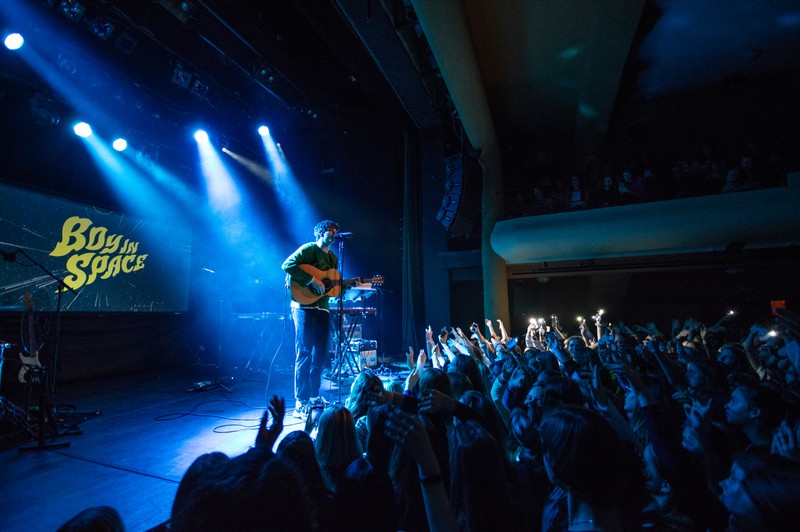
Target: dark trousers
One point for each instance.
(311, 348)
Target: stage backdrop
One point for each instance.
(114, 262)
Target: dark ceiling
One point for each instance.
(549, 70)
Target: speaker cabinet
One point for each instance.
(462, 198)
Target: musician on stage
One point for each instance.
(311, 319)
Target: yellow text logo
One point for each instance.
(95, 253)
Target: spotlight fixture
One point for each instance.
(199, 89)
(181, 77)
(151, 151)
(102, 27)
(82, 129)
(263, 131)
(200, 136)
(120, 144)
(71, 9)
(13, 41)
(265, 75)
(309, 113)
(67, 65)
(125, 43)
(181, 9)
(45, 110)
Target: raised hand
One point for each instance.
(434, 402)
(786, 441)
(268, 434)
(411, 380)
(421, 359)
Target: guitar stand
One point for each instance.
(46, 420)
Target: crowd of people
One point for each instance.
(642, 179)
(614, 428)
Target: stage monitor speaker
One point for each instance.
(462, 198)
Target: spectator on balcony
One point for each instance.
(578, 198)
(607, 194)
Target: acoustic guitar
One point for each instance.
(334, 284)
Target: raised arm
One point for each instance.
(408, 432)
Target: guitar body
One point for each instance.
(332, 280)
(305, 295)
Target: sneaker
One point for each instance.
(301, 409)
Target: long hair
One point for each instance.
(480, 493)
(365, 382)
(365, 499)
(468, 366)
(489, 417)
(337, 444)
(586, 456)
(773, 484)
(298, 448)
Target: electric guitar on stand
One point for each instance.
(332, 280)
(30, 372)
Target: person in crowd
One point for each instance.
(298, 447)
(95, 519)
(363, 385)
(578, 195)
(600, 474)
(337, 444)
(761, 493)
(607, 194)
(757, 410)
(365, 500)
(481, 492)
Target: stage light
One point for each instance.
(120, 144)
(263, 131)
(82, 129)
(45, 109)
(201, 136)
(71, 9)
(265, 75)
(102, 26)
(181, 77)
(13, 41)
(199, 89)
(125, 43)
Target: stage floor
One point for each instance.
(132, 455)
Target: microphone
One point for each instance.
(10, 257)
(342, 236)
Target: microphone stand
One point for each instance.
(340, 325)
(48, 387)
(384, 369)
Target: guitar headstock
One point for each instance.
(377, 280)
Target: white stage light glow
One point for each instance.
(14, 41)
(82, 129)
